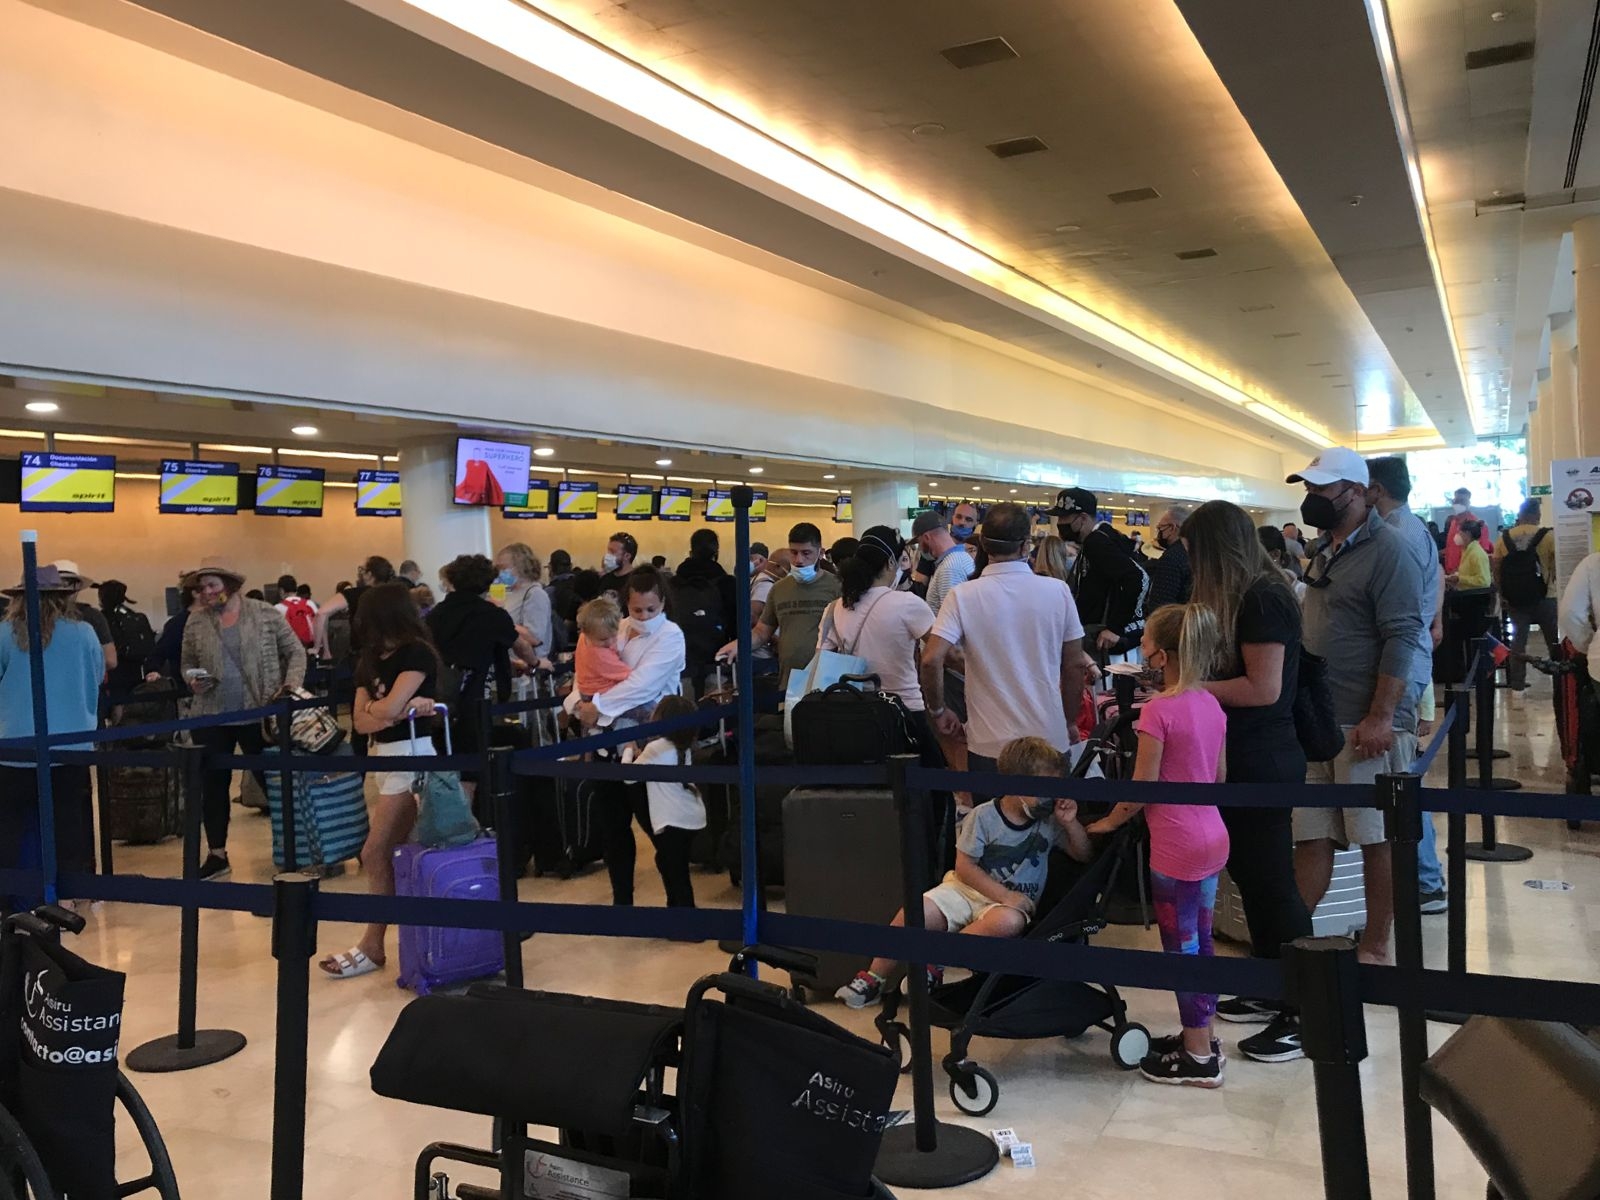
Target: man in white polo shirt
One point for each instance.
(1023, 643)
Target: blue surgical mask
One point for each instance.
(651, 625)
(805, 574)
(962, 533)
(509, 578)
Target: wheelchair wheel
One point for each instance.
(898, 1039)
(161, 1179)
(22, 1175)
(973, 1090)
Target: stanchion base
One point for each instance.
(1502, 852)
(164, 1054)
(1446, 1018)
(1497, 784)
(1499, 753)
(963, 1155)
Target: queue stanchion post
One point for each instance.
(1322, 981)
(189, 1047)
(102, 791)
(751, 895)
(1400, 797)
(498, 778)
(928, 1153)
(1459, 704)
(286, 786)
(294, 941)
(1490, 848)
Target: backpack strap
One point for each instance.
(1537, 538)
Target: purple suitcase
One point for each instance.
(431, 957)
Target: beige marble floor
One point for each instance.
(1097, 1132)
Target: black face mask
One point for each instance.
(1069, 533)
(1320, 512)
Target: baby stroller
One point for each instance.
(59, 1082)
(1019, 1007)
(767, 1097)
(1577, 718)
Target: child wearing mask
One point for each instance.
(1181, 734)
(1002, 855)
(674, 812)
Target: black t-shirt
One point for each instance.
(414, 656)
(1267, 613)
(474, 635)
(352, 601)
(616, 583)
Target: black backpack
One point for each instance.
(131, 634)
(1522, 581)
(697, 609)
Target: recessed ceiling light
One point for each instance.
(42, 406)
(928, 129)
(830, 476)
(1013, 491)
(1068, 228)
(544, 451)
(757, 470)
(663, 462)
(304, 431)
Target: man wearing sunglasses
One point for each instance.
(1363, 614)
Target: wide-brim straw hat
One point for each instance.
(223, 568)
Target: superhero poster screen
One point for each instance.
(492, 474)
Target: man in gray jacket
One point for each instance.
(1363, 614)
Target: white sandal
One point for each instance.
(350, 964)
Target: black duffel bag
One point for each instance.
(851, 725)
(1315, 724)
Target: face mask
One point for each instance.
(1320, 512)
(509, 578)
(805, 574)
(962, 533)
(652, 624)
(755, 567)
(1458, 509)
(1042, 808)
(610, 562)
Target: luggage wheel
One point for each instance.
(897, 1039)
(1129, 1045)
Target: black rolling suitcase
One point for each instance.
(841, 859)
(144, 804)
(772, 750)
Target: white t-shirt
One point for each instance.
(760, 589)
(674, 805)
(955, 566)
(1012, 625)
(883, 628)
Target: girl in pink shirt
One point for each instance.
(1181, 735)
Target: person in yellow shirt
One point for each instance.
(1474, 572)
(1528, 590)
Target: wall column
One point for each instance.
(1563, 387)
(1539, 432)
(1586, 266)
(882, 501)
(436, 529)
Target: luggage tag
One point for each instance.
(1022, 1154)
(1005, 1139)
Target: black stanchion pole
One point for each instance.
(1490, 849)
(102, 778)
(294, 941)
(1459, 703)
(502, 789)
(1321, 977)
(1400, 797)
(928, 1153)
(752, 897)
(286, 787)
(189, 1047)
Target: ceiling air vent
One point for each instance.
(1250, 308)
(1134, 195)
(1012, 147)
(978, 54)
(1499, 56)
(1190, 255)
(1281, 336)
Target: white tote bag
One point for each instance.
(824, 670)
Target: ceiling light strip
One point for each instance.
(547, 44)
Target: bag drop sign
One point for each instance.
(69, 1024)
(549, 1177)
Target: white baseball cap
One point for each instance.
(1333, 465)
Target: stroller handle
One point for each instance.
(778, 957)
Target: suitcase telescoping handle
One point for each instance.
(444, 711)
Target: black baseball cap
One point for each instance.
(1071, 501)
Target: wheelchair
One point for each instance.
(41, 1158)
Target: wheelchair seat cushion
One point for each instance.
(1525, 1097)
(572, 1062)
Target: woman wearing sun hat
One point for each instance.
(238, 654)
(73, 669)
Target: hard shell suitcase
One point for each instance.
(841, 859)
(330, 812)
(143, 804)
(433, 957)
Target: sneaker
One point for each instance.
(215, 867)
(861, 991)
(1160, 1047)
(1244, 1010)
(935, 977)
(1433, 903)
(1184, 1069)
(1278, 1042)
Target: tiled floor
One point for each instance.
(1096, 1131)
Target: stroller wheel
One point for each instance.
(898, 1039)
(974, 1090)
(1129, 1045)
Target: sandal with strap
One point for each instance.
(352, 963)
